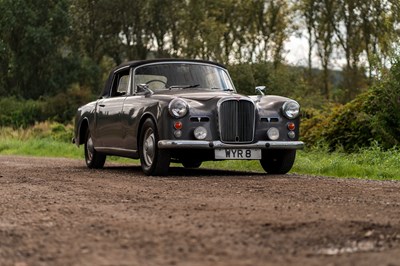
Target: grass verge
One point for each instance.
(372, 163)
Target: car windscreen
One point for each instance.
(183, 75)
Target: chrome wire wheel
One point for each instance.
(154, 161)
(93, 158)
(89, 149)
(149, 145)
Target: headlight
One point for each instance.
(178, 108)
(291, 109)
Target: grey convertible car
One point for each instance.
(185, 111)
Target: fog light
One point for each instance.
(273, 133)
(291, 134)
(291, 126)
(178, 133)
(178, 125)
(200, 133)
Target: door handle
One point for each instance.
(102, 105)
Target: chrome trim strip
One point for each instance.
(113, 150)
(203, 144)
(181, 62)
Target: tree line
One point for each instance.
(48, 45)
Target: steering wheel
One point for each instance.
(156, 80)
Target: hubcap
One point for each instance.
(149, 144)
(89, 149)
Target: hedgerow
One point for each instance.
(372, 117)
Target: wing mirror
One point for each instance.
(144, 88)
(260, 90)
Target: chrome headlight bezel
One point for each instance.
(200, 133)
(273, 133)
(291, 109)
(178, 108)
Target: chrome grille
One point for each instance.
(236, 121)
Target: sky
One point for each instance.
(296, 53)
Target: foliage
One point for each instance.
(32, 34)
(355, 29)
(17, 112)
(62, 107)
(46, 47)
(373, 116)
(44, 130)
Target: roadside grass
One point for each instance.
(51, 140)
(39, 147)
(372, 163)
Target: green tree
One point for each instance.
(35, 61)
(324, 32)
(268, 25)
(378, 32)
(165, 23)
(347, 26)
(308, 12)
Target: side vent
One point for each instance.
(269, 119)
(199, 119)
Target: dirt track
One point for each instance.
(58, 212)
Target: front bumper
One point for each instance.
(203, 144)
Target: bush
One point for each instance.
(61, 108)
(19, 113)
(43, 130)
(372, 117)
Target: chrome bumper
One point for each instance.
(203, 144)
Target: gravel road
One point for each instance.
(58, 212)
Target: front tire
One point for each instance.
(154, 161)
(93, 159)
(278, 162)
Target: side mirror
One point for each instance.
(260, 90)
(144, 88)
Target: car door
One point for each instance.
(137, 104)
(108, 112)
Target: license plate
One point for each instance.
(238, 154)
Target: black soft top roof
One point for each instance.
(143, 62)
(137, 63)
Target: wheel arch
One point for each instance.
(83, 127)
(144, 117)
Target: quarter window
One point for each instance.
(120, 84)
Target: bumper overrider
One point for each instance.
(203, 144)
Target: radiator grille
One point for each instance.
(236, 120)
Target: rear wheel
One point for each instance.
(278, 161)
(154, 161)
(93, 158)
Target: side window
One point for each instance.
(120, 83)
(123, 85)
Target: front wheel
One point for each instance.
(278, 162)
(154, 161)
(93, 158)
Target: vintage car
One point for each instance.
(185, 111)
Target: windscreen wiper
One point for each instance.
(183, 86)
(216, 88)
